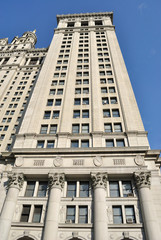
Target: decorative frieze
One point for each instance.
(99, 180)
(142, 179)
(56, 180)
(15, 180)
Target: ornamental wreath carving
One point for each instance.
(142, 179)
(15, 180)
(56, 180)
(99, 180)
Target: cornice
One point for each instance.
(110, 14)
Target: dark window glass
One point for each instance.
(84, 189)
(30, 189)
(71, 189)
(83, 214)
(117, 215)
(25, 213)
(37, 214)
(114, 189)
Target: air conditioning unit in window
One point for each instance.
(129, 220)
(68, 221)
(130, 195)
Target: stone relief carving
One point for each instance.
(62, 214)
(15, 180)
(99, 179)
(139, 160)
(97, 161)
(142, 179)
(19, 161)
(58, 161)
(109, 215)
(56, 180)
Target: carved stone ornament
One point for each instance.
(139, 160)
(142, 179)
(99, 180)
(97, 161)
(15, 180)
(58, 162)
(56, 180)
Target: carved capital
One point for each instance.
(99, 180)
(56, 180)
(142, 179)
(15, 180)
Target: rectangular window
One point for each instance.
(25, 213)
(85, 90)
(44, 129)
(111, 90)
(85, 128)
(117, 215)
(130, 214)
(113, 100)
(59, 91)
(83, 214)
(77, 101)
(75, 128)
(120, 143)
(37, 214)
(106, 113)
(57, 102)
(109, 143)
(84, 143)
(85, 101)
(115, 113)
(114, 189)
(40, 144)
(105, 101)
(108, 127)
(74, 144)
(84, 189)
(55, 114)
(71, 189)
(30, 189)
(42, 189)
(127, 188)
(85, 114)
(76, 114)
(104, 90)
(50, 144)
(78, 91)
(53, 129)
(117, 127)
(47, 114)
(71, 214)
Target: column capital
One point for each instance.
(99, 180)
(15, 180)
(142, 179)
(56, 180)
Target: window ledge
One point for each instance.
(130, 225)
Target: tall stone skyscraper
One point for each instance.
(75, 158)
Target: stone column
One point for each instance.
(99, 182)
(14, 184)
(56, 183)
(151, 227)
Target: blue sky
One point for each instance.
(138, 30)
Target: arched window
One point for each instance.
(25, 238)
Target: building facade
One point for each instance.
(75, 159)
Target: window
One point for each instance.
(50, 144)
(85, 81)
(130, 214)
(25, 213)
(85, 101)
(76, 114)
(85, 114)
(106, 113)
(117, 215)
(117, 127)
(105, 101)
(83, 214)
(74, 144)
(108, 127)
(61, 82)
(120, 143)
(104, 90)
(84, 143)
(98, 23)
(111, 90)
(78, 82)
(44, 129)
(42, 189)
(47, 115)
(110, 143)
(127, 188)
(71, 189)
(40, 144)
(78, 91)
(77, 101)
(30, 189)
(115, 113)
(85, 128)
(60, 92)
(113, 100)
(85, 90)
(54, 83)
(84, 189)
(37, 214)
(114, 189)
(70, 24)
(57, 102)
(53, 129)
(71, 214)
(50, 102)
(75, 128)
(110, 80)
(84, 23)
(55, 114)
